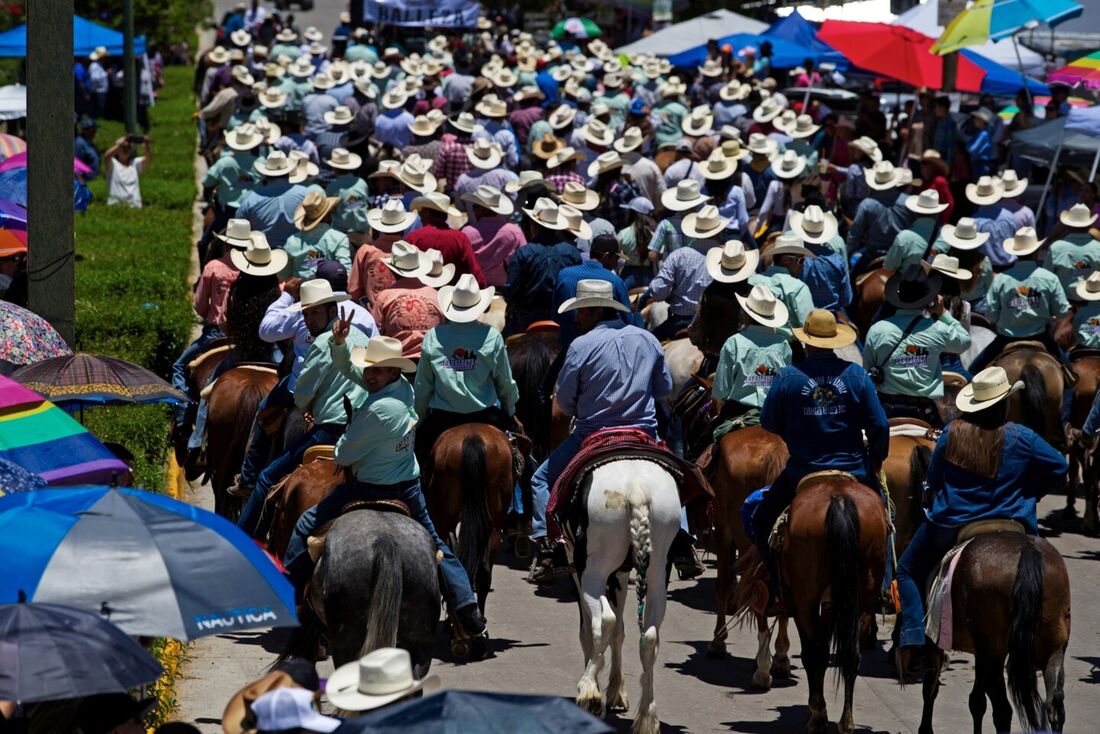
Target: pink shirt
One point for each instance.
(213, 290)
(369, 276)
(494, 240)
(407, 314)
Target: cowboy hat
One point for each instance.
(291, 709)
(505, 78)
(240, 37)
(415, 174)
(576, 195)
(545, 147)
(484, 154)
(983, 114)
(596, 132)
(882, 176)
(406, 260)
(269, 130)
(100, 52)
(987, 190)
(258, 258)
(381, 351)
(1023, 243)
(492, 199)
(546, 213)
(316, 292)
(631, 139)
(286, 35)
(574, 221)
(313, 209)
(1088, 289)
(301, 68)
(464, 122)
(964, 235)
(313, 34)
(760, 144)
(391, 217)
(439, 273)
(790, 165)
(731, 262)
(243, 137)
(949, 266)
(785, 121)
(685, 197)
(1078, 216)
(734, 91)
(814, 225)
(218, 55)
(803, 127)
(394, 99)
(711, 68)
(272, 98)
(436, 202)
(989, 387)
(464, 301)
(344, 160)
(237, 233)
(821, 330)
(564, 155)
(1011, 184)
(607, 161)
(768, 110)
(718, 166)
(933, 158)
(704, 224)
(341, 115)
(698, 122)
(592, 293)
(242, 75)
(867, 146)
(787, 243)
(275, 165)
(528, 179)
(529, 91)
(562, 117)
(763, 307)
(926, 203)
(492, 106)
(304, 168)
(913, 288)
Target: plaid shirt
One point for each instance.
(558, 180)
(451, 161)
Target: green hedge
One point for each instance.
(131, 273)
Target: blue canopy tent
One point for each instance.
(801, 32)
(785, 54)
(1002, 81)
(87, 36)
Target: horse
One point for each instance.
(831, 562)
(232, 404)
(1039, 405)
(494, 317)
(199, 371)
(870, 294)
(906, 468)
(1082, 450)
(375, 585)
(1010, 599)
(632, 512)
(302, 489)
(471, 484)
(530, 355)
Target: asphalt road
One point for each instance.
(325, 14)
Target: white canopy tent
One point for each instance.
(693, 32)
(13, 102)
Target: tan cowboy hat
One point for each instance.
(286, 35)
(787, 243)
(631, 140)
(596, 132)
(1088, 289)
(406, 260)
(926, 203)
(275, 165)
(237, 233)
(492, 106)
(546, 213)
(1011, 184)
(391, 217)
(1023, 243)
(439, 273)
(576, 195)
(763, 307)
(882, 176)
(987, 190)
(949, 266)
(964, 235)
(592, 293)
(344, 160)
(762, 145)
(381, 351)
(867, 146)
(316, 292)
(788, 166)
(436, 202)
(989, 387)
(734, 91)
(815, 225)
(718, 166)
(704, 224)
(491, 198)
(528, 179)
(272, 98)
(562, 117)
(505, 78)
(218, 55)
(822, 330)
(933, 158)
(1078, 216)
(609, 160)
(545, 147)
(394, 99)
(732, 263)
(301, 68)
(313, 209)
(768, 110)
(731, 147)
(465, 301)
(804, 126)
(564, 155)
(341, 115)
(685, 197)
(243, 137)
(484, 154)
(258, 258)
(529, 91)
(415, 173)
(698, 122)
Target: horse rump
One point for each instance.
(1025, 610)
(842, 534)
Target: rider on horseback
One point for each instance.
(783, 277)
(378, 449)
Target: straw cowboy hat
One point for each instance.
(301, 68)
(574, 221)
(394, 99)
(381, 351)
(949, 266)
(989, 387)
(272, 98)
(218, 55)
(391, 217)
(814, 225)
(785, 121)
(529, 91)
(304, 168)
(964, 235)
(564, 155)
(269, 130)
(613, 79)
(592, 293)
(562, 117)
(768, 110)
(464, 122)
(926, 203)
(484, 154)
(1088, 289)
(787, 243)
(804, 126)
(883, 176)
(415, 174)
(576, 195)
(322, 82)
(1023, 243)
(763, 307)
(631, 139)
(492, 199)
(546, 213)
(406, 260)
(275, 165)
(242, 75)
(464, 301)
(1011, 184)
(866, 146)
(711, 68)
(734, 91)
(243, 137)
(313, 34)
(685, 197)
(760, 144)
(821, 330)
(313, 209)
(698, 122)
(790, 165)
(987, 190)
(609, 160)
(718, 166)
(341, 115)
(671, 89)
(704, 224)
(528, 179)
(913, 288)
(731, 147)
(439, 273)
(545, 147)
(732, 263)
(492, 106)
(505, 78)
(1078, 216)
(596, 132)
(237, 233)
(344, 160)
(316, 292)
(258, 258)
(435, 201)
(933, 158)
(286, 35)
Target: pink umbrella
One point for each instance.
(19, 160)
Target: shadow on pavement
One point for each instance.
(698, 595)
(272, 640)
(1094, 670)
(623, 722)
(728, 672)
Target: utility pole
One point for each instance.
(129, 78)
(50, 169)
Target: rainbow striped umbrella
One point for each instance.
(1040, 103)
(11, 145)
(1085, 70)
(999, 19)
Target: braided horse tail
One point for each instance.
(638, 501)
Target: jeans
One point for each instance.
(545, 476)
(925, 550)
(668, 329)
(210, 332)
(259, 443)
(953, 363)
(197, 433)
(252, 519)
(457, 589)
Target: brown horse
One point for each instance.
(831, 563)
(471, 483)
(870, 294)
(199, 371)
(1039, 405)
(906, 467)
(233, 402)
(1082, 450)
(1010, 599)
(302, 489)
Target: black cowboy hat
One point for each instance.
(913, 288)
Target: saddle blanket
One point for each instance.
(939, 620)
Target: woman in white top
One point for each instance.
(123, 170)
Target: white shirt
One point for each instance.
(97, 75)
(122, 182)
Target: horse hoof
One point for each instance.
(781, 669)
(477, 648)
(716, 649)
(618, 702)
(593, 705)
(523, 548)
(460, 648)
(761, 681)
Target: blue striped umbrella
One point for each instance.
(152, 565)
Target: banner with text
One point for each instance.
(421, 13)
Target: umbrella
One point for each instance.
(11, 145)
(45, 440)
(19, 160)
(998, 19)
(12, 242)
(12, 216)
(91, 378)
(50, 653)
(1040, 104)
(14, 478)
(13, 188)
(484, 712)
(26, 337)
(1085, 70)
(157, 566)
(577, 28)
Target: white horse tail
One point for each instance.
(637, 498)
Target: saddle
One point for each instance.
(1083, 353)
(254, 366)
(320, 452)
(875, 267)
(218, 346)
(913, 427)
(831, 474)
(315, 544)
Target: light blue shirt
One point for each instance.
(314, 107)
(682, 278)
(999, 221)
(464, 368)
(378, 444)
(392, 127)
(270, 209)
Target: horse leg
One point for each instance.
(815, 657)
(1091, 475)
(619, 588)
(762, 676)
(930, 690)
(1054, 676)
(645, 720)
(781, 663)
(723, 552)
(998, 698)
(977, 697)
(601, 622)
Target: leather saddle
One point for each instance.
(1083, 353)
(315, 544)
(829, 474)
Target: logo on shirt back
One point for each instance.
(461, 360)
(825, 394)
(913, 356)
(1026, 298)
(1092, 326)
(762, 376)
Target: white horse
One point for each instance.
(633, 507)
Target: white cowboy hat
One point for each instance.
(763, 307)
(561, 72)
(718, 166)
(804, 126)
(592, 293)
(685, 197)
(949, 266)
(785, 120)
(527, 179)
(612, 79)
(983, 114)
(529, 91)
(596, 132)
(269, 130)
(926, 202)
(672, 89)
(704, 224)
(237, 233)
(465, 301)
(546, 213)
(562, 117)
(609, 160)
(790, 165)
(711, 68)
(989, 387)
(1088, 289)
(732, 263)
(731, 147)
(286, 35)
(258, 258)
(391, 217)
(394, 99)
(272, 98)
(380, 70)
(698, 122)
(484, 154)
(381, 351)
(313, 34)
(1079, 215)
(814, 225)
(491, 198)
(435, 201)
(868, 147)
(415, 174)
(631, 139)
(275, 165)
(218, 55)
(1023, 243)
(341, 115)
(316, 292)
(301, 68)
(987, 190)
(242, 75)
(491, 106)
(464, 122)
(734, 91)
(761, 144)
(768, 109)
(964, 235)
(576, 195)
(788, 243)
(505, 78)
(304, 168)
(882, 176)
(1012, 184)
(574, 221)
(406, 260)
(439, 273)
(322, 82)
(564, 155)
(243, 137)
(344, 160)
(290, 709)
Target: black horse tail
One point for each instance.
(842, 534)
(1034, 399)
(385, 599)
(918, 472)
(476, 523)
(305, 639)
(531, 362)
(1025, 610)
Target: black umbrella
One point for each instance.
(49, 653)
(451, 712)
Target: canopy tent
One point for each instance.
(687, 34)
(999, 80)
(785, 54)
(1040, 143)
(13, 102)
(87, 37)
(797, 30)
